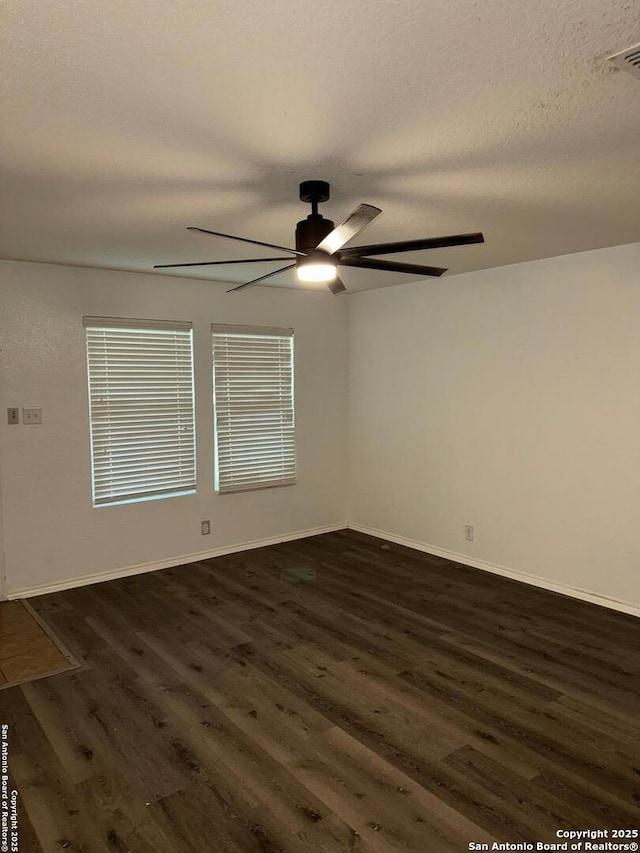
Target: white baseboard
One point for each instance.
(126, 571)
(523, 577)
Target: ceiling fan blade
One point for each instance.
(390, 266)
(244, 240)
(336, 286)
(362, 216)
(215, 263)
(261, 278)
(413, 245)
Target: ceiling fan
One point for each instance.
(319, 245)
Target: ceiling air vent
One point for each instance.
(628, 60)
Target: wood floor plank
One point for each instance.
(66, 739)
(45, 790)
(253, 747)
(119, 816)
(373, 794)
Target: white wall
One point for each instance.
(508, 399)
(51, 532)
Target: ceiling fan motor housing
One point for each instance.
(311, 231)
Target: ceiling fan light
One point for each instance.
(316, 272)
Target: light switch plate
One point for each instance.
(32, 416)
(13, 415)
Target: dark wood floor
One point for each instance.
(334, 693)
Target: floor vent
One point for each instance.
(628, 60)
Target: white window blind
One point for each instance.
(141, 408)
(254, 414)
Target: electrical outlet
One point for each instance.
(205, 528)
(32, 416)
(13, 415)
(468, 532)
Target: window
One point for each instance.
(253, 399)
(141, 409)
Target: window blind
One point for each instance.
(254, 407)
(141, 408)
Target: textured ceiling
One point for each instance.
(124, 122)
